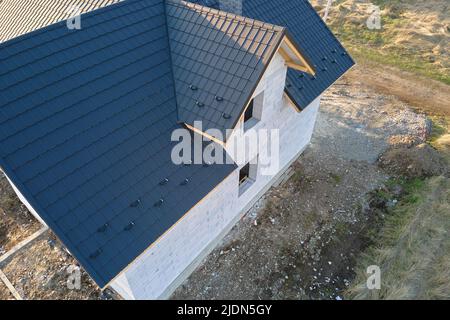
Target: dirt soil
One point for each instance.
(302, 239)
(41, 272)
(434, 96)
(421, 161)
(16, 223)
(4, 292)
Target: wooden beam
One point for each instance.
(298, 67)
(210, 137)
(284, 54)
(22, 244)
(9, 285)
(305, 63)
(290, 63)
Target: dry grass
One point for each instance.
(413, 250)
(440, 136)
(16, 223)
(414, 35)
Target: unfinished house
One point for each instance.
(87, 116)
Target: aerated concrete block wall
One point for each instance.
(157, 272)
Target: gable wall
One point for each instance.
(164, 266)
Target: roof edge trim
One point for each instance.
(167, 231)
(273, 50)
(53, 226)
(305, 65)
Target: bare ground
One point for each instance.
(302, 240)
(16, 223)
(423, 94)
(41, 272)
(4, 292)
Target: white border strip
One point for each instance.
(22, 244)
(10, 286)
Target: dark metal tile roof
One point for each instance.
(86, 119)
(313, 37)
(217, 61)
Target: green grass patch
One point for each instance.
(413, 248)
(336, 178)
(402, 61)
(377, 45)
(441, 126)
(440, 135)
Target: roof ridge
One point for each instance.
(230, 15)
(209, 44)
(172, 73)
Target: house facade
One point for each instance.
(87, 122)
(159, 270)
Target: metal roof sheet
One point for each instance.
(217, 61)
(315, 40)
(86, 123)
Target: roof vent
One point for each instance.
(324, 59)
(193, 88)
(129, 226)
(103, 228)
(219, 98)
(324, 69)
(159, 202)
(136, 203)
(334, 61)
(226, 116)
(334, 51)
(344, 54)
(199, 104)
(164, 182)
(95, 254)
(184, 182)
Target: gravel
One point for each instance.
(359, 125)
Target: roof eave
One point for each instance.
(273, 50)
